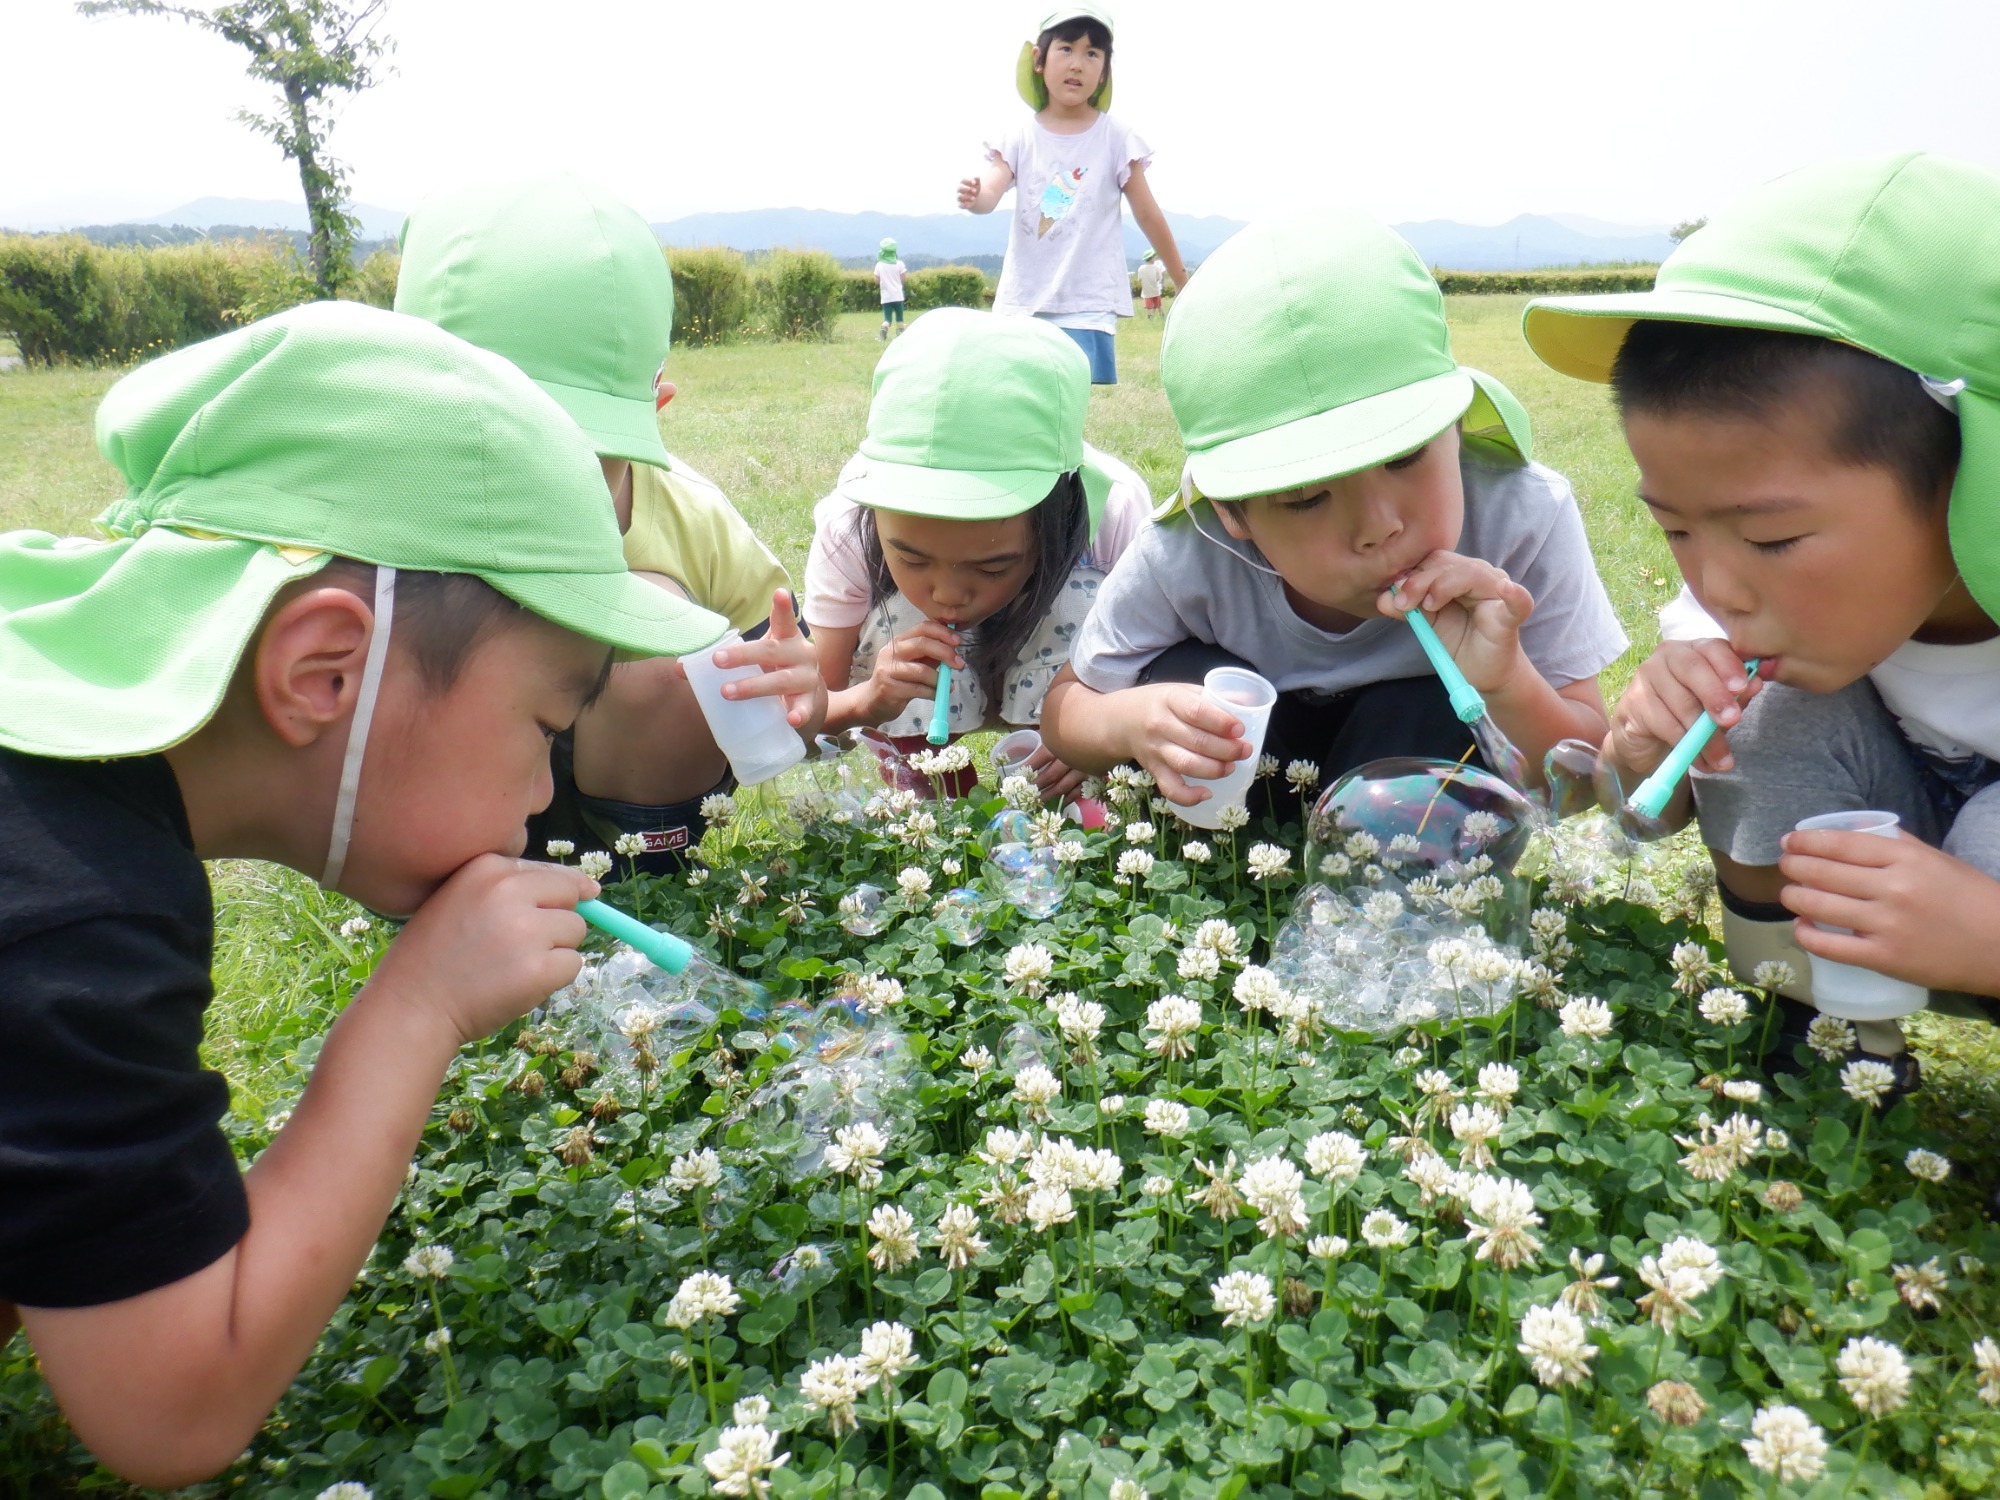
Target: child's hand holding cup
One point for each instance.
(1249, 698)
(1845, 990)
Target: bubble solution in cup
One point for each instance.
(1845, 990)
(1249, 698)
(753, 732)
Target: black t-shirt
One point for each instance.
(115, 1177)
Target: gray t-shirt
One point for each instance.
(1175, 584)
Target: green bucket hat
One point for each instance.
(1028, 83)
(1314, 346)
(1898, 255)
(563, 279)
(975, 417)
(333, 429)
(888, 250)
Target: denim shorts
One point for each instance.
(1100, 350)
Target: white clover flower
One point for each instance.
(1256, 989)
(1111, 1104)
(1686, 1253)
(595, 865)
(1336, 866)
(1027, 967)
(1231, 819)
(740, 1459)
(437, 1341)
(958, 1240)
(1335, 1157)
(1272, 1187)
(629, 845)
(1173, 1020)
(1302, 774)
(887, 1349)
(717, 808)
(1382, 910)
(1692, 967)
(1434, 1176)
(1079, 1021)
(1157, 1186)
(1221, 936)
(1134, 863)
(1326, 1247)
(1139, 833)
(976, 1061)
(559, 848)
(1986, 1360)
(1919, 1286)
(1128, 1489)
(833, 1385)
(1070, 851)
(1475, 1127)
(914, 882)
(1199, 963)
(751, 1411)
(1035, 1086)
(1774, 974)
(1501, 1219)
(697, 1169)
(1777, 1142)
(1361, 845)
(1166, 1117)
(857, 1152)
(1585, 1016)
(354, 927)
(1499, 1083)
(1830, 1038)
(1785, 1442)
(1048, 1207)
(1553, 1340)
(895, 1236)
(1382, 1230)
(1195, 852)
(1867, 1082)
(1874, 1374)
(1585, 1295)
(1743, 1091)
(1723, 1007)
(702, 1295)
(430, 1262)
(1243, 1298)
(1267, 861)
(1927, 1166)
(1267, 766)
(1096, 1170)
(347, 1489)
(1004, 1147)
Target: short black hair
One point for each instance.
(1076, 29)
(441, 618)
(1879, 414)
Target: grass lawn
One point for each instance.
(772, 425)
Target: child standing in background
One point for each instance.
(889, 274)
(1076, 165)
(1152, 281)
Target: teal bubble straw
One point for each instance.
(663, 948)
(941, 705)
(1657, 789)
(1465, 699)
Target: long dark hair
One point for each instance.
(1059, 530)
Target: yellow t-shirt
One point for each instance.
(684, 527)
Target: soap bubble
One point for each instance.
(1012, 826)
(1026, 877)
(1570, 771)
(625, 999)
(834, 783)
(841, 1066)
(862, 910)
(1499, 752)
(961, 915)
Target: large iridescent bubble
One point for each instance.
(839, 1066)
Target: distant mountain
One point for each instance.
(271, 213)
(1584, 224)
(1526, 241)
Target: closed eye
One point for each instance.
(1783, 544)
(1407, 459)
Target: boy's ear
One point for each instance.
(1230, 514)
(308, 663)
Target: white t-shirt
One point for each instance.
(890, 273)
(837, 594)
(1945, 698)
(1177, 583)
(1152, 277)
(1065, 243)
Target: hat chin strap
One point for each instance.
(357, 728)
(1194, 497)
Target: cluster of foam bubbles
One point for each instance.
(842, 778)
(840, 1065)
(1415, 911)
(624, 1003)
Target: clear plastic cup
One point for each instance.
(1250, 698)
(753, 732)
(1844, 990)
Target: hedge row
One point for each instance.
(1548, 282)
(63, 298)
(933, 286)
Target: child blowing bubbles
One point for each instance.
(219, 680)
(1343, 469)
(974, 504)
(1810, 392)
(1076, 167)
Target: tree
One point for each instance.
(311, 51)
(1685, 228)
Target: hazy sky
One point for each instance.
(1437, 109)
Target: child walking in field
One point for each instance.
(1076, 166)
(362, 571)
(1152, 282)
(569, 283)
(1342, 470)
(889, 274)
(972, 529)
(1812, 393)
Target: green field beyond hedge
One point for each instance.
(1105, 1354)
